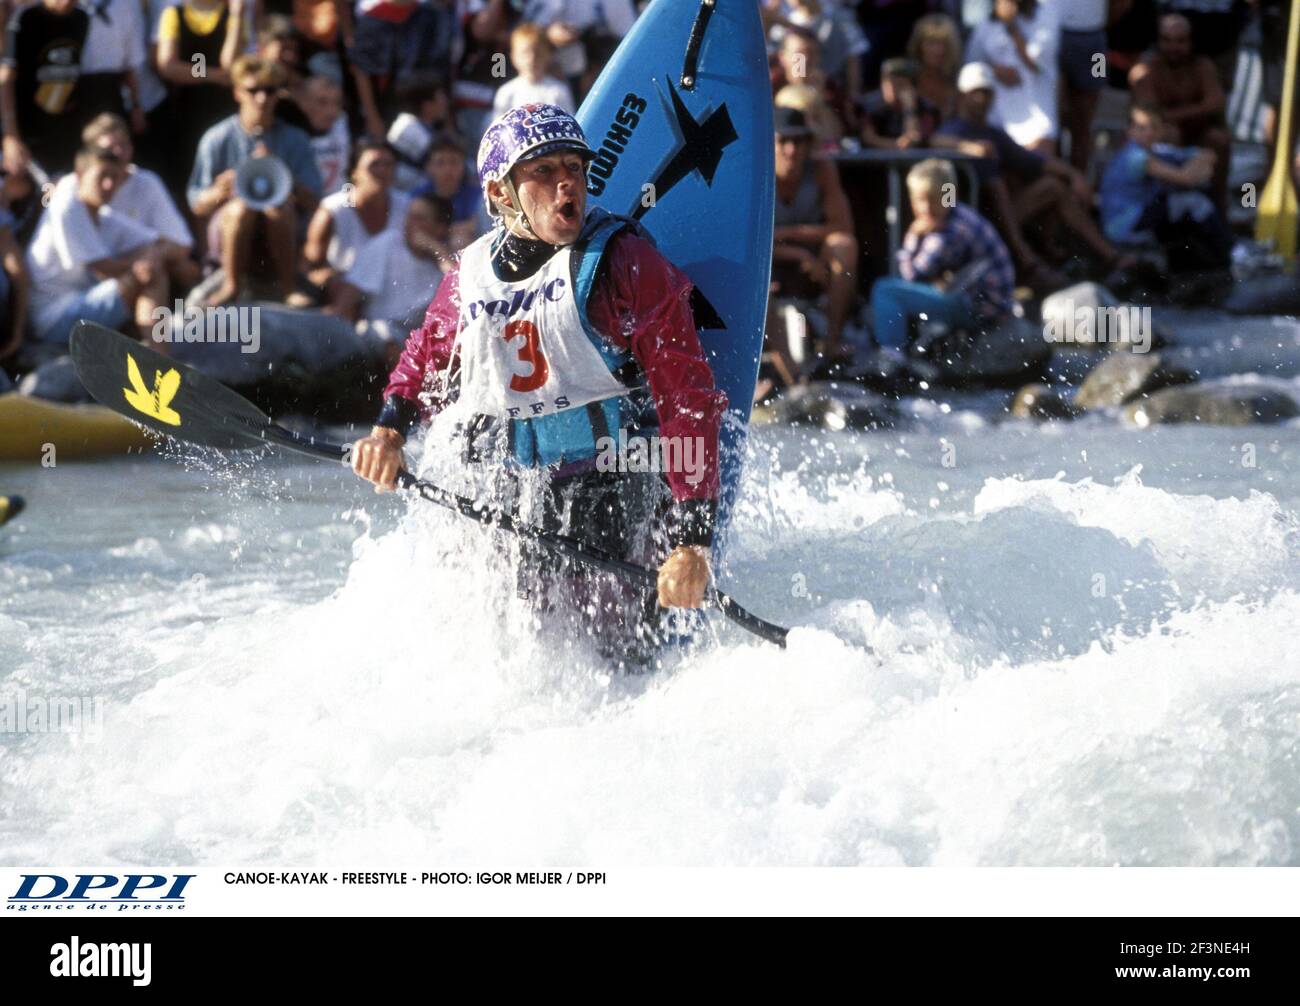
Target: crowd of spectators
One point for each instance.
(126, 123)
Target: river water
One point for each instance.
(1081, 651)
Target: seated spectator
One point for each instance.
(235, 228)
(448, 177)
(140, 196)
(86, 261)
(391, 40)
(1021, 42)
(38, 87)
(815, 250)
(887, 25)
(317, 109)
(1151, 188)
(1022, 186)
(396, 275)
(798, 61)
(935, 48)
(896, 117)
(13, 287)
(425, 111)
(953, 267)
(1186, 90)
(197, 35)
(112, 59)
(821, 119)
(348, 221)
(530, 55)
(1216, 29)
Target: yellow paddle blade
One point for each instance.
(154, 404)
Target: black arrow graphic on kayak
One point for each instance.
(699, 148)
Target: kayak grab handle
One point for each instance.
(692, 61)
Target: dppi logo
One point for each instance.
(521, 301)
(102, 891)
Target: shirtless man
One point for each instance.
(1185, 88)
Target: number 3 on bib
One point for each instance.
(530, 352)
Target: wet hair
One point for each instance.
(443, 213)
(104, 124)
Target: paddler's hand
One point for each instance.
(378, 457)
(683, 577)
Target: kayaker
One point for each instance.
(558, 332)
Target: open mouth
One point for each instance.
(569, 209)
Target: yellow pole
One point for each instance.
(1277, 216)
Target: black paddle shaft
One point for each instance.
(168, 397)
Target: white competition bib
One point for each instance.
(523, 351)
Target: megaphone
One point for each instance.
(263, 182)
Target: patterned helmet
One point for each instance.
(523, 133)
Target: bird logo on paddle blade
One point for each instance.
(155, 404)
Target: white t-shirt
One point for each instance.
(142, 198)
(67, 240)
(518, 91)
(1027, 111)
(331, 150)
(115, 41)
(350, 234)
(395, 280)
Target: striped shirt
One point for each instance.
(965, 238)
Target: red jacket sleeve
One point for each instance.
(411, 395)
(642, 302)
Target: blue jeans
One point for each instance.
(895, 302)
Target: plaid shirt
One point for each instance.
(965, 237)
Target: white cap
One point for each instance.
(976, 77)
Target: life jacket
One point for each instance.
(532, 367)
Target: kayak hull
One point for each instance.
(28, 425)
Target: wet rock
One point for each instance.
(832, 406)
(1089, 316)
(1218, 406)
(1120, 377)
(1004, 355)
(1038, 401)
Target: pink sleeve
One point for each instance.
(642, 302)
(428, 349)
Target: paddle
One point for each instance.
(1277, 215)
(171, 398)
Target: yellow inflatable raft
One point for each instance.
(76, 431)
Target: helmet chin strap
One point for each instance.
(514, 213)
